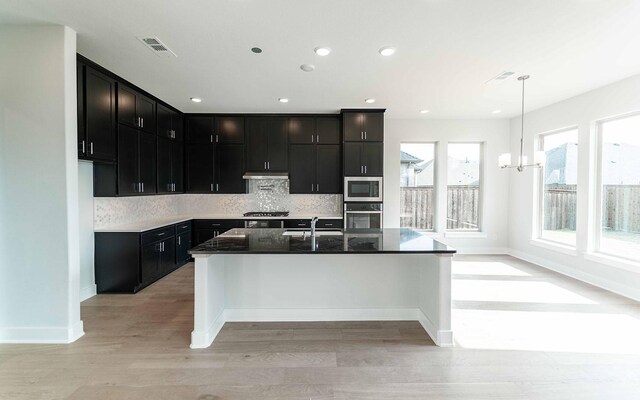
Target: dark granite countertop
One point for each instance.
(276, 241)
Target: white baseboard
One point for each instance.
(612, 286)
(481, 250)
(88, 292)
(203, 339)
(441, 338)
(46, 335)
(320, 314)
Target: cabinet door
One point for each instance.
(199, 168)
(352, 161)
(146, 108)
(229, 169)
(148, 163)
(256, 144)
(328, 130)
(165, 119)
(373, 126)
(150, 262)
(352, 126)
(100, 116)
(202, 235)
(199, 129)
(127, 106)
(177, 166)
(183, 244)
(229, 129)
(82, 145)
(302, 130)
(302, 169)
(168, 255)
(128, 177)
(372, 158)
(165, 152)
(328, 173)
(278, 145)
(177, 124)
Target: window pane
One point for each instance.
(559, 180)
(463, 186)
(417, 197)
(620, 178)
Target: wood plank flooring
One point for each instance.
(137, 347)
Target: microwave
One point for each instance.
(363, 188)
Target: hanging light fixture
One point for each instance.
(539, 157)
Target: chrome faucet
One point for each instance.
(314, 220)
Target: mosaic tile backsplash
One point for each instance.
(264, 195)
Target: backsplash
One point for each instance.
(264, 195)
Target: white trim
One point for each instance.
(88, 292)
(471, 234)
(44, 335)
(612, 286)
(613, 261)
(320, 314)
(441, 338)
(481, 250)
(554, 246)
(203, 339)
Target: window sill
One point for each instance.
(613, 261)
(462, 234)
(555, 246)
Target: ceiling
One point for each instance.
(446, 51)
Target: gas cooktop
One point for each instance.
(267, 214)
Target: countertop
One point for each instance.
(147, 225)
(273, 241)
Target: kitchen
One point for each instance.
(243, 199)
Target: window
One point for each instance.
(558, 180)
(417, 194)
(619, 181)
(463, 186)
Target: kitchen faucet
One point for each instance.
(314, 220)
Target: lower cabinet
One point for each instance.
(205, 229)
(127, 262)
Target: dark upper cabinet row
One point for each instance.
(267, 144)
(136, 110)
(363, 126)
(219, 129)
(215, 168)
(363, 159)
(170, 123)
(315, 169)
(314, 130)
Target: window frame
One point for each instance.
(436, 185)
(481, 163)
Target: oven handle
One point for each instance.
(363, 212)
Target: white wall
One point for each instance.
(39, 263)
(85, 204)
(582, 111)
(495, 136)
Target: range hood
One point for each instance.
(266, 175)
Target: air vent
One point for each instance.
(501, 77)
(154, 44)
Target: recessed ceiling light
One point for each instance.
(496, 111)
(283, 100)
(256, 50)
(307, 67)
(369, 101)
(196, 99)
(322, 51)
(424, 111)
(387, 51)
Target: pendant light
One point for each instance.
(539, 157)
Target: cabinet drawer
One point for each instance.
(218, 224)
(297, 223)
(157, 234)
(183, 227)
(329, 223)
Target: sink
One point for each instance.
(308, 233)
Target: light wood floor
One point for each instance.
(522, 333)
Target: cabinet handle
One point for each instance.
(302, 224)
(83, 152)
(211, 138)
(311, 138)
(216, 138)
(215, 224)
(361, 169)
(361, 135)
(265, 165)
(268, 164)
(161, 234)
(217, 187)
(142, 184)
(365, 169)
(178, 240)
(312, 187)
(365, 135)
(328, 224)
(142, 119)
(91, 147)
(317, 187)
(317, 138)
(212, 187)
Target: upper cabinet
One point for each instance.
(363, 126)
(96, 115)
(229, 130)
(266, 144)
(314, 130)
(136, 110)
(169, 123)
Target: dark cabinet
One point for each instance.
(328, 130)
(363, 159)
(136, 110)
(367, 126)
(200, 168)
(200, 129)
(96, 115)
(229, 168)
(315, 169)
(136, 162)
(183, 245)
(229, 129)
(170, 166)
(158, 254)
(169, 123)
(314, 130)
(205, 229)
(266, 144)
(147, 163)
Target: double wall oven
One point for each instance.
(362, 202)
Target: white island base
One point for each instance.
(322, 287)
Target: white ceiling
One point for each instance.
(446, 50)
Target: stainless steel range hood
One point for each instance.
(266, 175)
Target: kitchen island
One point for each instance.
(279, 275)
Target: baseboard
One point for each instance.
(203, 339)
(41, 335)
(441, 338)
(320, 314)
(481, 250)
(88, 292)
(612, 286)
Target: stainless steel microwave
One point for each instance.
(363, 188)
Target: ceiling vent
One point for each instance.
(160, 49)
(500, 78)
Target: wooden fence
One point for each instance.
(560, 207)
(417, 207)
(621, 210)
